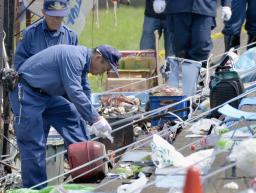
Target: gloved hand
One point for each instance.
(101, 128)
(159, 6)
(226, 13)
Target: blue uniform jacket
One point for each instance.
(58, 70)
(37, 37)
(202, 7)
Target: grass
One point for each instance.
(124, 36)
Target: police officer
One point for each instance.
(45, 33)
(241, 9)
(191, 22)
(55, 71)
(154, 19)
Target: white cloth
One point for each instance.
(226, 13)
(159, 6)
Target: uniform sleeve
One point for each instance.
(226, 3)
(71, 71)
(22, 51)
(86, 86)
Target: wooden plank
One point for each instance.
(130, 74)
(159, 78)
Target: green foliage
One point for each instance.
(125, 36)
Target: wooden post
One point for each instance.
(1, 67)
(9, 17)
(159, 78)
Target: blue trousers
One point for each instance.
(192, 35)
(241, 10)
(33, 111)
(147, 40)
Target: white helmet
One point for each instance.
(159, 6)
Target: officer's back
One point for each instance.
(202, 7)
(50, 68)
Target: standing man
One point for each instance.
(55, 71)
(241, 9)
(154, 19)
(191, 22)
(45, 33)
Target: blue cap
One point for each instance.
(111, 55)
(56, 7)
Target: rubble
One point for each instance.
(118, 105)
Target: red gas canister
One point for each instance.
(82, 153)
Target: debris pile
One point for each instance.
(118, 105)
(167, 91)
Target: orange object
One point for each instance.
(193, 181)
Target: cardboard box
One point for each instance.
(140, 84)
(138, 60)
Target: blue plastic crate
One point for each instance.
(160, 101)
(143, 96)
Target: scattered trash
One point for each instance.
(231, 186)
(224, 143)
(164, 154)
(127, 170)
(205, 142)
(245, 156)
(134, 187)
(205, 105)
(203, 126)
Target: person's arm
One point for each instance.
(71, 72)
(86, 86)
(22, 51)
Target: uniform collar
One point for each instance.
(45, 28)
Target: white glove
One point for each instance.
(101, 128)
(159, 6)
(226, 13)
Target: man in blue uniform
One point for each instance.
(241, 9)
(55, 71)
(45, 33)
(191, 22)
